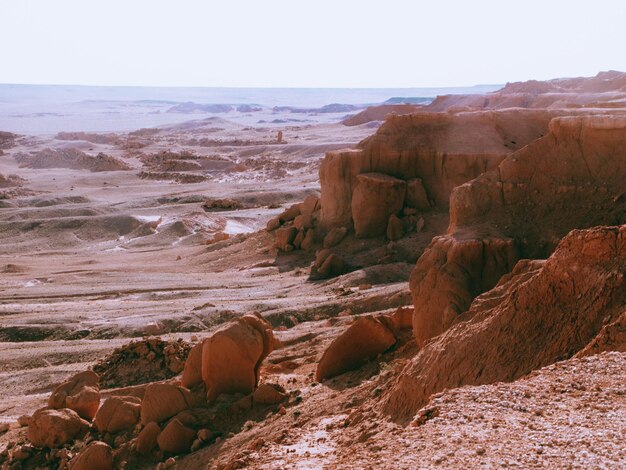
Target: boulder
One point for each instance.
(450, 273)
(81, 393)
(268, 394)
(232, 357)
(310, 205)
(285, 237)
(192, 373)
(273, 224)
(309, 240)
(96, 456)
(147, 438)
(54, 428)
(416, 196)
(118, 414)
(176, 438)
(394, 228)
(297, 241)
(375, 198)
(162, 401)
(363, 341)
(333, 265)
(334, 236)
(290, 214)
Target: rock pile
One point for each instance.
(144, 361)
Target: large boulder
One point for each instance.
(375, 198)
(162, 401)
(80, 393)
(232, 357)
(118, 414)
(364, 340)
(54, 428)
(96, 456)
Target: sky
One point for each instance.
(298, 43)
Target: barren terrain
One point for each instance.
(441, 289)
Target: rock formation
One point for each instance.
(54, 428)
(571, 178)
(541, 313)
(81, 393)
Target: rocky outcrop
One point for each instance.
(571, 178)
(541, 313)
(232, 357)
(375, 198)
(81, 393)
(379, 113)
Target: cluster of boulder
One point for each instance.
(159, 419)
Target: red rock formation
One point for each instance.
(571, 178)
(541, 313)
(162, 401)
(81, 393)
(232, 357)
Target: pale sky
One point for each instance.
(320, 43)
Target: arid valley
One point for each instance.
(401, 281)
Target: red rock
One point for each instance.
(118, 414)
(310, 205)
(176, 438)
(96, 456)
(365, 339)
(268, 394)
(394, 228)
(54, 428)
(334, 237)
(81, 393)
(416, 196)
(162, 401)
(147, 438)
(309, 240)
(285, 237)
(542, 312)
(375, 199)
(273, 224)
(297, 241)
(290, 214)
(231, 358)
(192, 373)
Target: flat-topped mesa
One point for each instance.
(571, 178)
(605, 90)
(443, 150)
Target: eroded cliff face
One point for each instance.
(571, 178)
(544, 311)
(443, 150)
